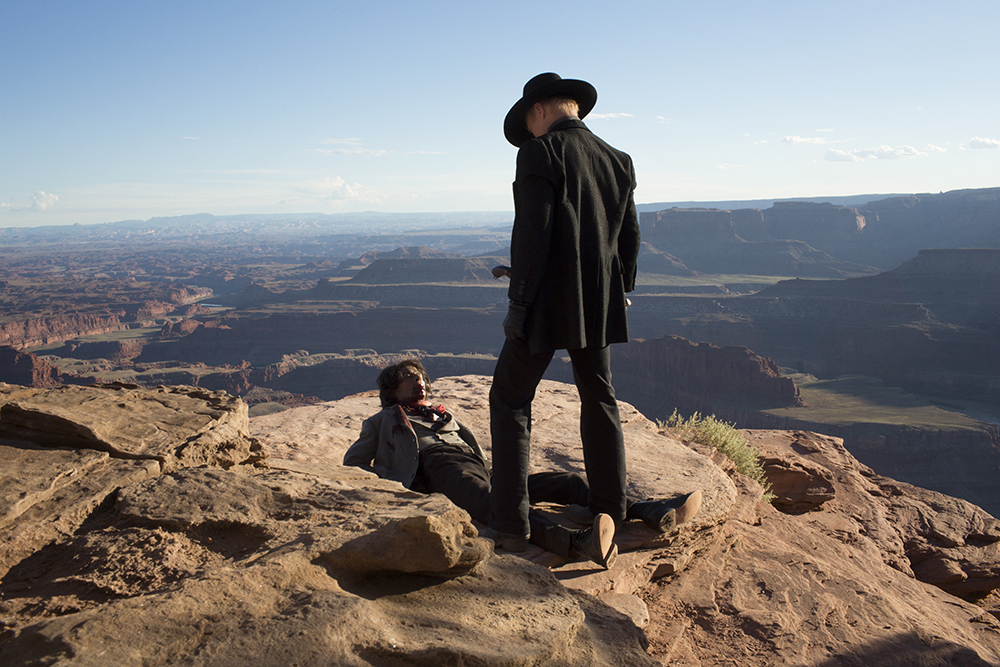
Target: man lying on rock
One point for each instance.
(427, 450)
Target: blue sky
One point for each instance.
(136, 109)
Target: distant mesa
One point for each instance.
(438, 270)
(665, 229)
(752, 242)
(940, 276)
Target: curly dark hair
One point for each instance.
(391, 377)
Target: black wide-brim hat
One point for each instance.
(538, 88)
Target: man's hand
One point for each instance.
(499, 271)
(513, 324)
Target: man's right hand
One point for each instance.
(513, 324)
(499, 271)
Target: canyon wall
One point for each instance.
(39, 331)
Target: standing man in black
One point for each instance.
(573, 254)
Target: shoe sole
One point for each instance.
(604, 529)
(690, 508)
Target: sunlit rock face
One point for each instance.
(161, 527)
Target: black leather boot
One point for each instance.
(665, 515)
(597, 542)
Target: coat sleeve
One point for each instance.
(629, 242)
(534, 208)
(362, 452)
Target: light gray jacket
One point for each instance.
(388, 446)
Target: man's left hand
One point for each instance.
(513, 324)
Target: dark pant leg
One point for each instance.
(515, 379)
(460, 475)
(600, 431)
(550, 535)
(561, 488)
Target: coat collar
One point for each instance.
(568, 124)
(399, 415)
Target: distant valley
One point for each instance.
(901, 294)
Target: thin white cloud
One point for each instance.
(373, 152)
(931, 148)
(338, 189)
(979, 142)
(889, 153)
(837, 155)
(880, 153)
(827, 129)
(662, 119)
(609, 115)
(191, 138)
(351, 146)
(726, 165)
(324, 186)
(795, 139)
(41, 201)
(425, 153)
(4, 206)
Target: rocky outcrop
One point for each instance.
(38, 331)
(297, 560)
(267, 340)
(65, 450)
(423, 271)
(663, 374)
(958, 461)
(939, 539)
(179, 328)
(969, 276)
(930, 325)
(113, 350)
(687, 226)
(899, 227)
(26, 369)
(173, 426)
(309, 563)
(776, 242)
(817, 224)
(816, 589)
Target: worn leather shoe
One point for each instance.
(689, 507)
(665, 515)
(597, 542)
(506, 541)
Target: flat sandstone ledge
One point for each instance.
(658, 466)
(115, 551)
(133, 548)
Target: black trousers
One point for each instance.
(515, 380)
(458, 473)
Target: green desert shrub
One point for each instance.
(726, 438)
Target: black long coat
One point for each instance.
(575, 242)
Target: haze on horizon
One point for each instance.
(119, 110)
